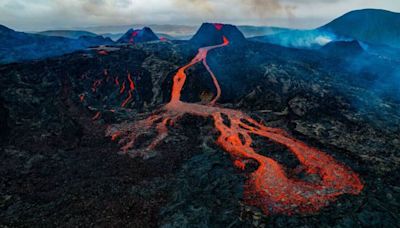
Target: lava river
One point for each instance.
(268, 187)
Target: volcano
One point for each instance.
(214, 33)
(138, 36)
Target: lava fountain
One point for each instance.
(268, 187)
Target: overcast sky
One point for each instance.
(33, 15)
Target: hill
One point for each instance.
(73, 34)
(368, 25)
(17, 46)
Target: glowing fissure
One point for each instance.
(268, 187)
(116, 81)
(121, 89)
(131, 89)
(95, 85)
(131, 84)
(127, 100)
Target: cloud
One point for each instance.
(260, 8)
(31, 15)
(263, 8)
(195, 5)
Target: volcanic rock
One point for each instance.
(212, 34)
(138, 36)
(3, 121)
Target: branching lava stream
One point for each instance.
(268, 187)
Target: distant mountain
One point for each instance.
(89, 41)
(172, 30)
(369, 25)
(180, 32)
(213, 33)
(113, 36)
(138, 36)
(252, 31)
(18, 46)
(73, 34)
(298, 38)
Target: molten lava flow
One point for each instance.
(268, 187)
(180, 77)
(127, 100)
(131, 89)
(131, 84)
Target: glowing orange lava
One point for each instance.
(268, 187)
(127, 100)
(131, 84)
(131, 89)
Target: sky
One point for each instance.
(35, 15)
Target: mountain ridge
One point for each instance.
(374, 26)
(73, 34)
(19, 46)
